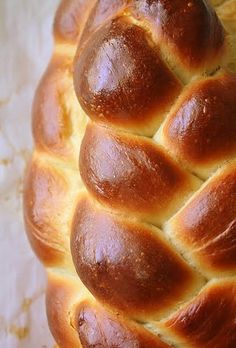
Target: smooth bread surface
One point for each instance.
(130, 195)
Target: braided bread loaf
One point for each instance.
(133, 210)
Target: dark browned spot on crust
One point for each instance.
(190, 28)
(209, 321)
(207, 225)
(44, 193)
(130, 173)
(120, 79)
(99, 328)
(125, 265)
(51, 118)
(203, 128)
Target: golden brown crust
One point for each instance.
(126, 264)
(209, 321)
(206, 227)
(52, 125)
(190, 29)
(76, 321)
(49, 199)
(117, 64)
(147, 180)
(132, 62)
(99, 328)
(60, 299)
(201, 130)
(101, 12)
(44, 194)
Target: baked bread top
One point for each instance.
(130, 196)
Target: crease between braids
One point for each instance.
(141, 194)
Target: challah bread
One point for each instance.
(130, 196)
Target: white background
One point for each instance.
(25, 48)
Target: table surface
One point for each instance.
(26, 45)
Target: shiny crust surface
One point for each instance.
(190, 29)
(127, 264)
(90, 325)
(199, 324)
(201, 130)
(101, 12)
(129, 198)
(118, 64)
(146, 182)
(206, 227)
(99, 328)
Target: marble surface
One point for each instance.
(26, 45)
